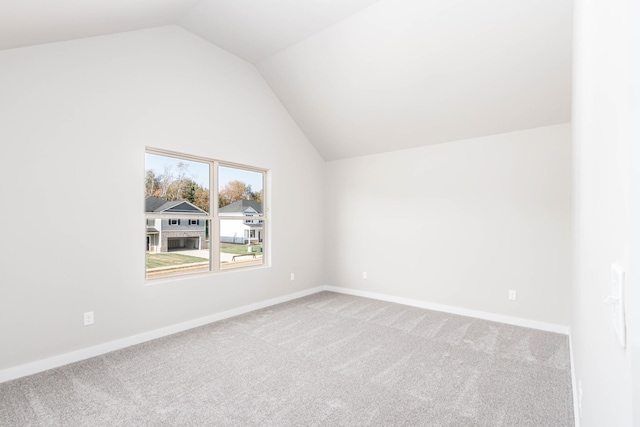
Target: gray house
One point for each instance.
(165, 234)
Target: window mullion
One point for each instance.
(214, 235)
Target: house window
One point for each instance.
(215, 202)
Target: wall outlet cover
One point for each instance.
(88, 318)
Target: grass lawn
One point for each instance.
(168, 259)
(230, 248)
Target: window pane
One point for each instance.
(179, 223)
(176, 248)
(240, 192)
(240, 243)
(174, 185)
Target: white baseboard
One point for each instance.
(97, 350)
(517, 321)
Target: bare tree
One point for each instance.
(166, 179)
(183, 168)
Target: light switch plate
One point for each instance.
(616, 301)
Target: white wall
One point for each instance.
(75, 119)
(602, 178)
(458, 224)
(634, 277)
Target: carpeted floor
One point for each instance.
(326, 359)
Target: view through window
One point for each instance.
(202, 215)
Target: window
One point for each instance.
(200, 215)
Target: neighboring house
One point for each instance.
(165, 234)
(242, 231)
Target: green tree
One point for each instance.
(189, 189)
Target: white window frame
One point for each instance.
(213, 217)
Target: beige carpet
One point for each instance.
(323, 360)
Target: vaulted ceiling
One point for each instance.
(360, 76)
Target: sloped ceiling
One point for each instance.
(407, 73)
(31, 22)
(360, 76)
(256, 29)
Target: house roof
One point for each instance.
(242, 206)
(159, 205)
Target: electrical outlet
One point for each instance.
(293, 276)
(364, 274)
(513, 295)
(88, 318)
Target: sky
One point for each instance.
(254, 179)
(199, 172)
